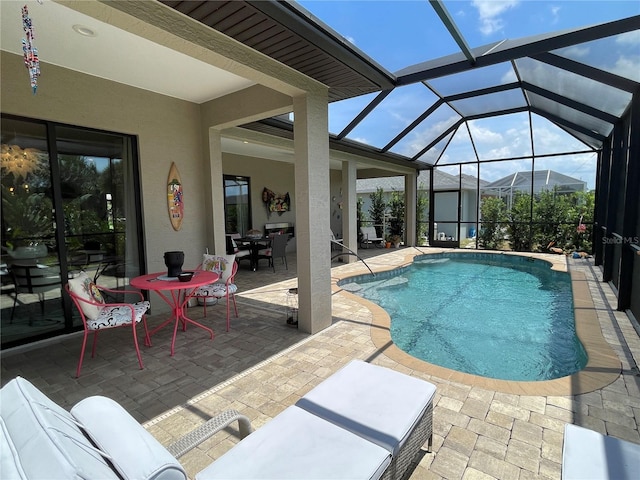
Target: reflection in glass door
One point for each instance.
(30, 302)
(61, 217)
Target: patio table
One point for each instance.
(255, 244)
(177, 298)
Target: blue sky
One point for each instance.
(397, 34)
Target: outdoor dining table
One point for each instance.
(255, 244)
(177, 297)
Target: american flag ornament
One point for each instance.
(30, 52)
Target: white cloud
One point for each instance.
(490, 11)
(484, 135)
(420, 139)
(628, 67)
(509, 77)
(555, 14)
(576, 52)
(629, 38)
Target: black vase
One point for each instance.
(174, 262)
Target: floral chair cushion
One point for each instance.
(117, 315)
(83, 287)
(223, 265)
(220, 264)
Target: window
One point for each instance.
(237, 204)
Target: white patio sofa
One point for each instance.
(364, 422)
(590, 455)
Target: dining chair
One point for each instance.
(278, 249)
(35, 279)
(240, 253)
(98, 315)
(225, 266)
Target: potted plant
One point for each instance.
(394, 240)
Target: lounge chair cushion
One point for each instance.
(295, 445)
(42, 440)
(134, 452)
(590, 455)
(371, 401)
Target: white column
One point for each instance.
(313, 231)
(349, 208)
(218, 245)
(410, 204)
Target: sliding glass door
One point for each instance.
(70, 202)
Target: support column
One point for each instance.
(410, 206)
(349, 209)
(216, 236)
(313, 231)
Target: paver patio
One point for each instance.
(262, 366)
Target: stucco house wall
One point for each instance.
(168, 130)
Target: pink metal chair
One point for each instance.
(226, 266)
(98, 315)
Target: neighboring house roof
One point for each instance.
(542, 180)
(442, 181)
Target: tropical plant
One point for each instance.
(377, 209)
(422, 208)
(359, 213)
(550, 212)
(580, 212)
(493, 213)
(396, 211)
(518, 223)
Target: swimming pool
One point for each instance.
(499, 316)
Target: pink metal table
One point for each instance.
(180, 293)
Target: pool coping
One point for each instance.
(603, 366)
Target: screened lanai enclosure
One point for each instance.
(580, 86)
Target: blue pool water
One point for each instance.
(498, 316)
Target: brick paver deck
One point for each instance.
(262, 366)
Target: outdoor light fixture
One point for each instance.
(84, 30)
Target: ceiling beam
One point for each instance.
(566, 123)
(581, 107)
(442, 12)
(587, 71)
(509, 50)
(366, 111)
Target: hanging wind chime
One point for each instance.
(30, 52)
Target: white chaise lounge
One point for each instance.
(590, 455)
(364, 422)
(370, 236)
